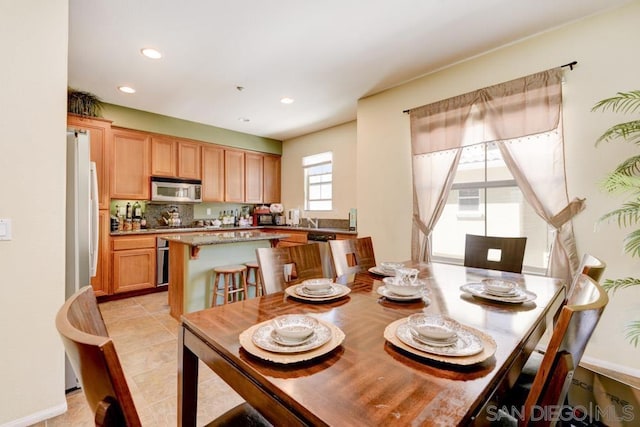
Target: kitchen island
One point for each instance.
(192, 258)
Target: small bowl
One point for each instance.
(294, 327)
(390, 267)
(318, 285)
(405, 289)
(497, 286)
(433, 327)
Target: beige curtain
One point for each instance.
(524, 118)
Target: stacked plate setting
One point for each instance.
(291, 333)
(499, 288)
(439, 335)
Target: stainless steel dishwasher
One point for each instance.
(162, 275)
(322, 238)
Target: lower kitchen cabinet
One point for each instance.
(133, 260)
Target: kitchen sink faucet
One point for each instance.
(313, 223)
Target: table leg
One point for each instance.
(187, 383)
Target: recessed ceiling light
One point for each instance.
(243, 119)
(287, 100)
(126, 89)
(151, 53)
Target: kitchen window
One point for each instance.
(318, 181)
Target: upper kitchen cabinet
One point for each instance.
(234, 176)
(212, 173)
(271, 185)
(164, 153)
(98, 130)
(130, 164)
(254, 169)
(189, 159)
(175, 158)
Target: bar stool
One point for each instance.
(234, 283)
(253, 266)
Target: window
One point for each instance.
(318, 186)
(486, 200)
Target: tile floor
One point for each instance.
(145, 336)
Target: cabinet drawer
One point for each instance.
(133, 242)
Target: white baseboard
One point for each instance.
(611, 366)
(39, 416)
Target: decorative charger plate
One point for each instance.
(478, 290)
(487, 351)
(263, 337)
(336, 336)
(380, 272)
(382, 290)
(338, 291)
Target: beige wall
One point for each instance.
(603, 45)
(33, 41)
(341, 140)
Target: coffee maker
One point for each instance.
(293, 217)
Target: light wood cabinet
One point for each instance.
(98, 130)
(130, 164)
(133, 263)
(234, 176)
(189, 160)
(175, 158)
(212, 173)
(100, 282)
(163, 157)
(254, 178)
(271, 180)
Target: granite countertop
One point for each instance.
(211, 230)
(203, 239)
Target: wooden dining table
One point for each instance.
(367, 380)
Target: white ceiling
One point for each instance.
(324, 54)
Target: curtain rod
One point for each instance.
(570, 65)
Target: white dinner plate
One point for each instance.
(478, 290)
(466, 344)
(338, 291)
(263, 338)
(382, 290)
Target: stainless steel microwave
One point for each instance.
(176, 190)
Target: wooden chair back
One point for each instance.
(592, 267)
(511, 252)
(306, 264)
(575, 325)
(351, 256)
(94, 360)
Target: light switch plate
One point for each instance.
(5, 229)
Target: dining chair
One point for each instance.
(591, 266)
(494, 253)
(550, 383)
(304, 261)
(351, 256)
(95, 361)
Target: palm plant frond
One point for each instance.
(623, 102)
(629, 132)
(633, 332)
(619, 182)
(612, 285)
(629, 167)
(628, 214)
(632, 243)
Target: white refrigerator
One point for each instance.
(82, 221)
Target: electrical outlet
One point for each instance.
(208, 211)
(5, 229)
